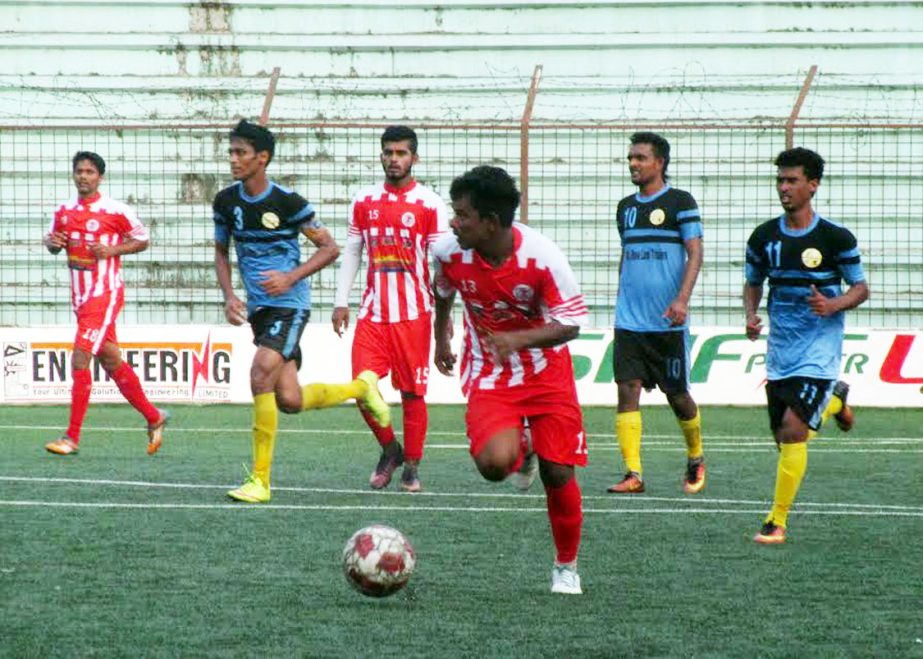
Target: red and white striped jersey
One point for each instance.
(396, 226)
(97, 219)
(533, 287)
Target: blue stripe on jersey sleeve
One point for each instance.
(692, 212)
(691, 230)
(755, 276)
(305, 212)
(222, 233)
(848, 254)
(852, 273)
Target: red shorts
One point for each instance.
(96, 322)
(553, 412)
(401, 349)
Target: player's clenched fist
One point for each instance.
(235, 311)
(754, 326)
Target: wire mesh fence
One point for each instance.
(577, 174)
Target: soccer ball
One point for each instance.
(378, 560)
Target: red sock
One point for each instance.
(416, 420)
(130, 386)
(384, 435)
(80, 401)
(565, 511)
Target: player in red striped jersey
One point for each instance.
(522, 305)
(395, 221)
(96, 231)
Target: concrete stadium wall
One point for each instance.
(163, 59)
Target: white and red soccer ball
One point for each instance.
(378, 560)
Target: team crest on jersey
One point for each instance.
(408, 219)
(811, 257)
(93, 225)
(657, 217)
(523, 293)
(270, 220)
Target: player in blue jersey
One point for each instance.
(265, 220)
(806, 258)
(661, 232)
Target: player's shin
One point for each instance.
(319, 395)
(80, 401)
(384, 435)
(130, 386)
(692, 432)
(265, 423)
(793, 462)
(416, 419)
(565, 512)
(628, 432)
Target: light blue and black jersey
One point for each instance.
(801, 343)
(654, 231)
(265, 231)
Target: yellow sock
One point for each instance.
(833, 407)
(692, 431)
(265, 422)
(793, 461)
(318, 395)
(628, 432)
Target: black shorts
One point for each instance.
(806, 397)
(655, 358)
(280, 329)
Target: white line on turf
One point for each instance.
(637, 500)
(420, 509)
(756, 440)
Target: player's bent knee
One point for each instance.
(492, 471)
(288, 404)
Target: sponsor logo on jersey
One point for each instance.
(657, 217)
(270, 220)
(811, 257)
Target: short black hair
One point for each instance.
(94, 158)
(810, 161)
(658, 143)
(490, 190)
(399, 134)
(259, 137)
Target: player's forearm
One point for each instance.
(694, 255)
(223, 272)
(752, 296)
(349, 267)
(442, 316)
(130, 246)
(546, 336)
(856, 295)
(320, 259)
